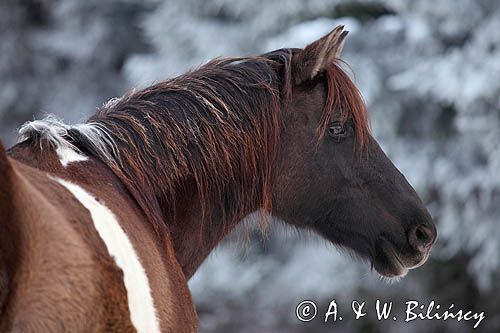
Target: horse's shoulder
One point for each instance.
(93, 202)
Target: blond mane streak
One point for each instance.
(64, 139)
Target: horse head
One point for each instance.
(333, 177)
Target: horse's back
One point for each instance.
(102, 263)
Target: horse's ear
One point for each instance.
(316, 57)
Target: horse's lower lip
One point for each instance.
(386, 261)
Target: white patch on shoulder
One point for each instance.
(68, 155)
(140, 301)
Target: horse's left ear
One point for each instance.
(316, 57)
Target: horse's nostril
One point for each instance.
(422, 237)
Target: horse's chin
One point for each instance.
(387, 262)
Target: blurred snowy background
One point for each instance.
(429, 71)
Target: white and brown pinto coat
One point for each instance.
(77, 253)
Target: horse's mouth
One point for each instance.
(389, 263)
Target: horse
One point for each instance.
(103, 223)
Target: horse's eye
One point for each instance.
(339, 131)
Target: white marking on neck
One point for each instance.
(140, 301)
(68, 155)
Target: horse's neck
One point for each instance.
(195, 235)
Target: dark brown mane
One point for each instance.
(216, 127)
